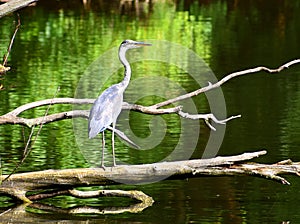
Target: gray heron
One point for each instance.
(108, 105)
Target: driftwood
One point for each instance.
(59, 182)
(14, 5)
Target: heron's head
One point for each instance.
(129, 44)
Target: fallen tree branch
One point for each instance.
(18, 185)
(14, 5)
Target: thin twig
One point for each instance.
(25, 154)
(28, 147)
(12, 41)
(46, 112)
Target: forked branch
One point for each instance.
(14, 118)
(211, 86)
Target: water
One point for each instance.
(56, 44)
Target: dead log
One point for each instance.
(64, 181)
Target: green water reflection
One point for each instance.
(57, 41)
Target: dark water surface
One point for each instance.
(59, 40)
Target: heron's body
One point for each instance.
(105, 110)
(108, 105)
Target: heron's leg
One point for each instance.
(103, 146)
(113, 143)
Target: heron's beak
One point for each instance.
(142, 44)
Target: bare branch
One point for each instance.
(46, 102)
(150, 109)
(12, 117)
(14, 5)
(211, 86)
(207, 118)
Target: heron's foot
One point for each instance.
(102, 166)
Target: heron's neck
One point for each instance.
(127, 73)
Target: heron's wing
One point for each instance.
(105, 110)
